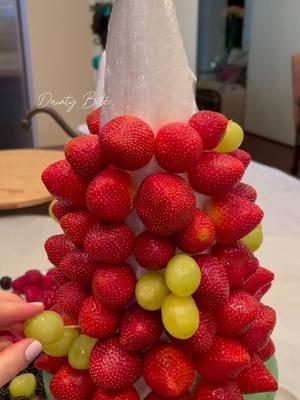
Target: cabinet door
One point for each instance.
(13, 86)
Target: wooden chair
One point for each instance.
(296, 93)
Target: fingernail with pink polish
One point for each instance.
(33, 350)
(37, 304)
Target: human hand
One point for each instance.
(15, 357)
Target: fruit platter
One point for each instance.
(158, 292)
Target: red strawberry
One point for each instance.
(57, 247)
(62, 182)
(78, 267)
(153, 252)
(242, 155)
(50, 272)
(246, 191)
(168, 371)
(110, 195)
(165, 203)
(211, 127)
(239, 262)
(262, 291)
(114, 286)
(128, 141)
(76, 224)
(126, 394)
(111, 244)
(48, 283)
(202, 340)
(69, 297)
(48, 280)
(259, 283)
(140, 328)
(225, 360)
(215, 174)
(31, 293)
(237, 314)
(177, 147)
(48, 297)
(268, 351)
(49, 364)
(33, 277)
(112, 367)
(153, 396)
(59, 278)
(214, 287)
(93, 121)
(234, 217)
(18, 284)
(198, 236)
(256, 378)
(86, 155)
(96, 320)
(257, 336)
(209, 391)
(59, 209)
(71, 384)
(68, 319)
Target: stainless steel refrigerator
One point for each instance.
(14, 75)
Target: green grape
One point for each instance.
(62, 346)
(151, 290)
(22, 386)
(254, 239)
(50, 211)
(232, 139)
(183, 275)
(80, 351)
(180, 316)
(47, 327)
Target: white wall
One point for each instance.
(187, 12)
(275, 37)
(61, 50)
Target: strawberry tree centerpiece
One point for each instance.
(159, 291)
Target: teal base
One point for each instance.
(47, 378)
(271, 365)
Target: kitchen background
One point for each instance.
(240, 49)
(241, 52)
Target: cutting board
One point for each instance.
(20, 177)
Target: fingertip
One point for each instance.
(37, 307)
(33, 309)
(11, 313)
